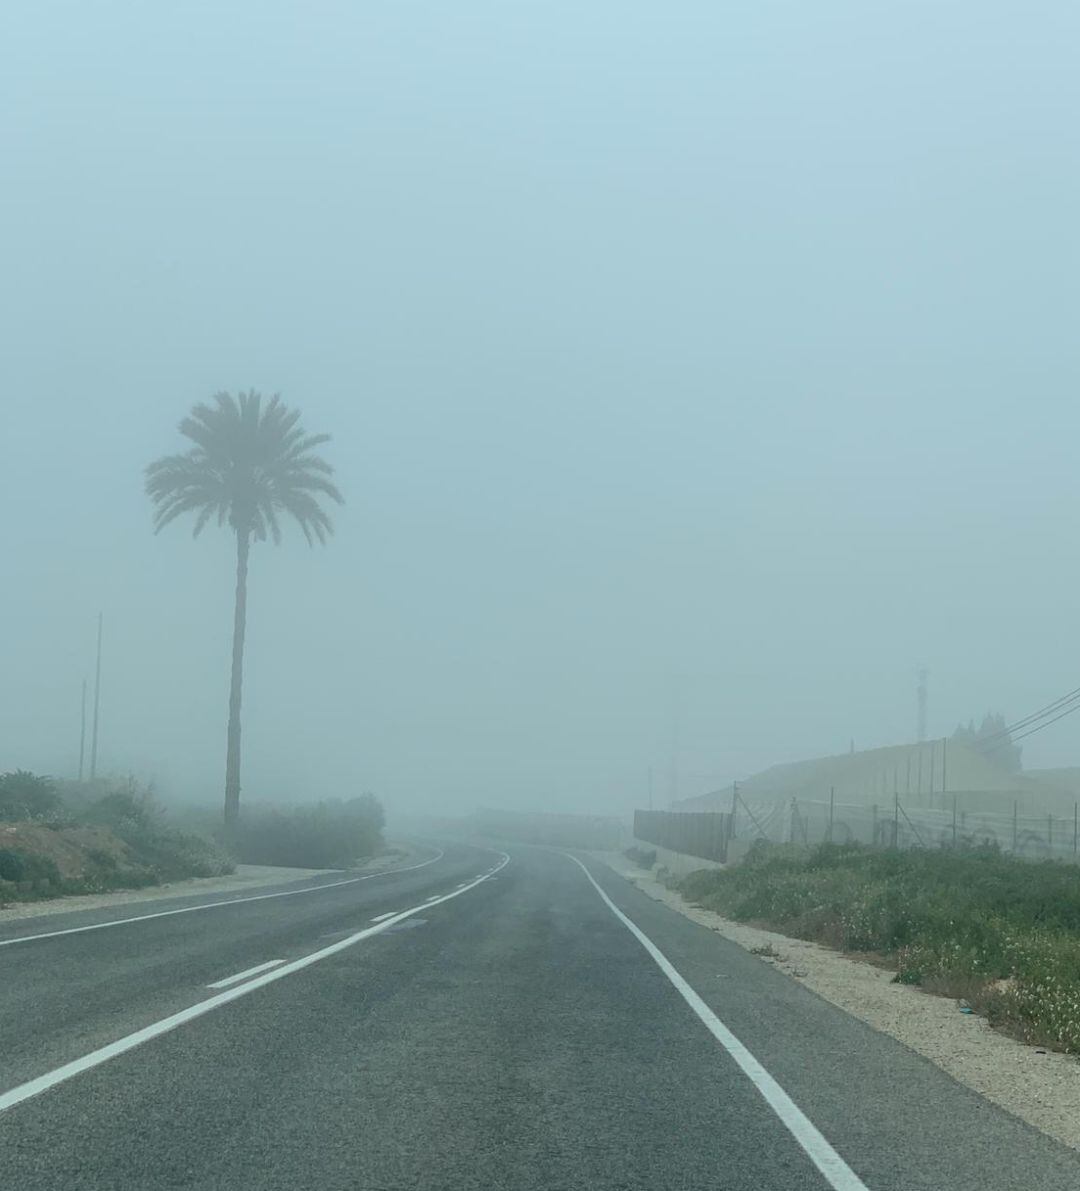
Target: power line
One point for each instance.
(1002, 734)
(1039, 728)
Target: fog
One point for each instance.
(696, 372)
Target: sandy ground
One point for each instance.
(247, 878)
(1042, 1089)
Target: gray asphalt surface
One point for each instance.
(516, 1037)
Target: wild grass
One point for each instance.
(1002, 933)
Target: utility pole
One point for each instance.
(97, 702)
(82, 732)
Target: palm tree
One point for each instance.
(251, 463)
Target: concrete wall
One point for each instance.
(676, 862)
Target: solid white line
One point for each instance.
(836, 1171)
(380, 917)
(270, 963)
(96, 1057)
(235, 901)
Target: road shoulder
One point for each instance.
(1041, 1089)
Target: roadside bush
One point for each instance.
(1001, 932)
(643, 857)
(163, 853)
(22, 867)
(25, 795)
(332, 834)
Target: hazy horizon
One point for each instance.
(695, 373)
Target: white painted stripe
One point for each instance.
(836, 1171)
(270, 963)
(121, 1046)
(235, 901)
(436, 897)
(388, 914)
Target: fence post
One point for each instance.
(1014, 825)
(832, 811)
(953, 819)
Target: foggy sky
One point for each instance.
(696, 371)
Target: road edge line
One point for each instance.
(840, 1176)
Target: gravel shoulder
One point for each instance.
(247, 878)
(1041, 1089)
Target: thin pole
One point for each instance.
(896, 819)
(1076, 824)
(97, 702)
(907, 788)
(944, 756)
(1050, 832)
(953, 820)
(921, 750)
(1015, 804)
(82, 732)
(832, 809)
(933, 755)
(734, 803)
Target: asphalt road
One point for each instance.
(511, 1033)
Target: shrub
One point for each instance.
(644, 857)
(331, 834)
(1004, 933)
(25, 795)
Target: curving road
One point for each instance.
(484, 1021)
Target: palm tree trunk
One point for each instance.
(232, 748)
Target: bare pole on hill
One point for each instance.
(82, 732)
(97, 702)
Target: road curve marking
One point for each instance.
(270, 963)
(95, 1058)
(836, 1171)
(234, 901)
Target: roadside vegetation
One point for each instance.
(1001, 934)
(331, 834)
(59, 838)
(642, 857)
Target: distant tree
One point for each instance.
(251, 463)
(992, 740)
(25, 795)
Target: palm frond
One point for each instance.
(250, 462)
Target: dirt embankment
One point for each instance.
(73, 850)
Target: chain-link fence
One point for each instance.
(892, 824)
(702, 834)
